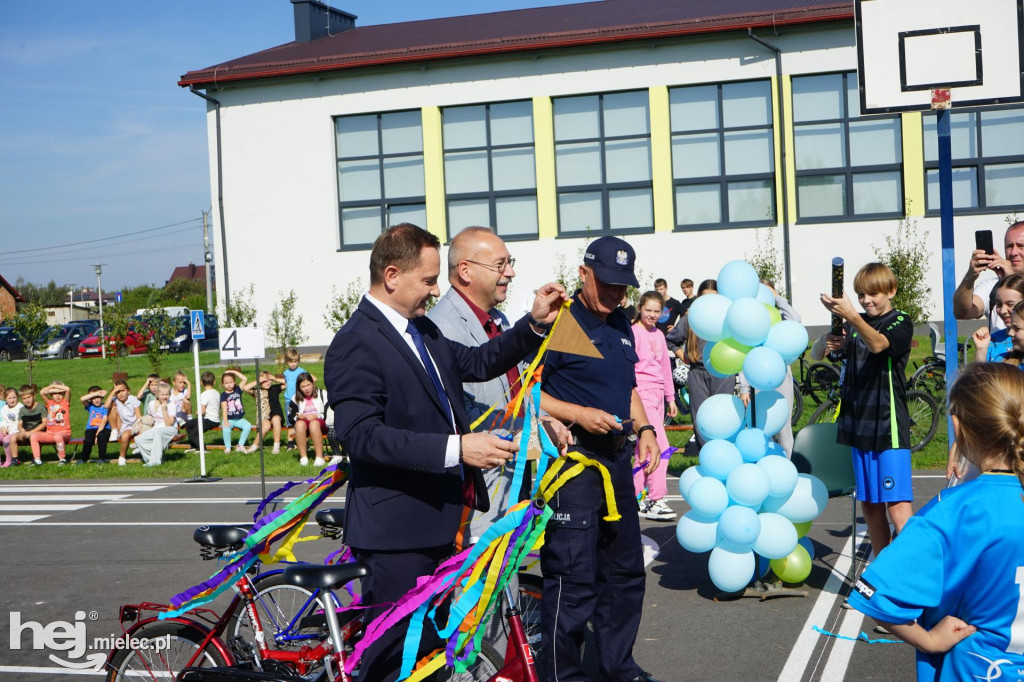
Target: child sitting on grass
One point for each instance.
(31, 417)
(209, 410)
(232, 410)
(154, 441)
(9, 426)
(124, 416)
(58, 423)
(267, 392)
(97, 425)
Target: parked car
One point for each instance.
(182, 341)
(63, 341)
(12, 347)
(89, 325)
(8, 337)
(134, 343)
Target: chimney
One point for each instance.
(191, 270)
(315, 20)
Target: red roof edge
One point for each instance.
(209, 77)
(14, 292)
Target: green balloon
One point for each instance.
(794, 568)
(802, 528)
(773, 313)
(727, 356)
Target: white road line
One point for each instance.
(15, 519)
(805, 644)
(19, 520)
(59, 498)
(195, 500)
(842, 650)
(42, 507)
(88, 488)
(52, 671)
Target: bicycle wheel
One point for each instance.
(531, 590)
(488, 663)
(924, 418)
(281, 608)
(930, 378)
(148, 662)
(822, 379)
(825, 414)
(798, 404)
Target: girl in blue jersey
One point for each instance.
(952, 583)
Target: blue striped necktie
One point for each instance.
(421, 348)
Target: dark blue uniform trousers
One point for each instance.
(593, 571)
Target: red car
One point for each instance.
(134, 343)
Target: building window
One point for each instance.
(380, 174)
(603, 163)
(489, 169)
(988, 159)
(723, 154)
(846, 167)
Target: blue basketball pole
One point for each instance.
(948, 266)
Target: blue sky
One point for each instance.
(103, 158)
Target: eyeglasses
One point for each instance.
(498, 267)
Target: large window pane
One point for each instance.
(750, 201)
(877, 193)
(465, 127)
(630, 208)
(466, 212)
(696, 156)
(748, 152)
(852, 95)
(963, 136)
(965, 188)
(821, 196)
(576, 118)
(1004, 184)
(357, 136)
(403, 176)
(401, 132)
(359, 180)
(466, 172)
(820, 146)
(628, 160)
(1002, 134)
(875, 142)
(625, 113)
(818, 98)
(746, 104)
(578, 164)
(579, 212)
(512, 123)
(513, 168)
(694, 108)
(408, 213)
(360, 225)
(516, 215)
(698, 205)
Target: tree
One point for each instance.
(117, 322)
(30, 325)
(907, 254)
(342, 306)
(766, 259)
(285, 325)
(160, 328)
(47, 295)
(240, 310)
(187, 292)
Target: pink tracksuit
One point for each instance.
(655, 386)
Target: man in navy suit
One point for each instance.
(395, 383)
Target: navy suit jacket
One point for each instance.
(395, 431)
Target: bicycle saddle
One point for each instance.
(324, 577)
(217, 539)
(330, 521)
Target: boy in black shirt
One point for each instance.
(873, 416)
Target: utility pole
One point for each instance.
(208, 258)
(99, 295)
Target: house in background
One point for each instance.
(9, 300)
(190, 272)
(703, 131)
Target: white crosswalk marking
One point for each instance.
(27, 503)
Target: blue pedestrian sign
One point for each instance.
(198, 324)
(117, 297)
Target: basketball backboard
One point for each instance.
(906, 48)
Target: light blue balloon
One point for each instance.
(771, 412)
(765, 295)
(720, 416)
(805, 503)
(775, 449)
(788, 338)
(706, 316)
(706, 359)
(739, 525)
(697, 533)
(708, 497)
(747, 485)
(730, 571)
(782, 475)
(807, 544)
(738, 279)
(752, 444)
(777, 537)
(688, 477)
(764, 368)
(719, 457)
(748, 321)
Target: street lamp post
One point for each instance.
(99, 292)
(71, 303)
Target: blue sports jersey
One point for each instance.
(962, 555)
(1000, 347)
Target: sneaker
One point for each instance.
(277, 449)
(37, 462)
(77, 462)
(304, 461)
(113, 435)
(644, 677)
(659, 511)
(882, 630)
(61, 462)
(319, 461)
(121, 461)
(102, 461)
(846, 606)
(227, 451)
(291, 445)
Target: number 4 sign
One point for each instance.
(242, 343)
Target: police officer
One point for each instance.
(594, 569)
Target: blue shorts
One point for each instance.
(883, 476)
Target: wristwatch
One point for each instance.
(645, 427)
(543, 326)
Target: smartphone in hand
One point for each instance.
(983, 241)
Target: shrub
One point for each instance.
(240, 310)
(343, 305)
(906, 253)
(30, 325)
(285, 325)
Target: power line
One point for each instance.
(17, 261)
(112, 255)
(103, 239)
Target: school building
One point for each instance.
(700, 130)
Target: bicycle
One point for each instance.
(931, 375)
(817, 381)
(921, 407)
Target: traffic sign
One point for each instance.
(198, 324)
(117, 297)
